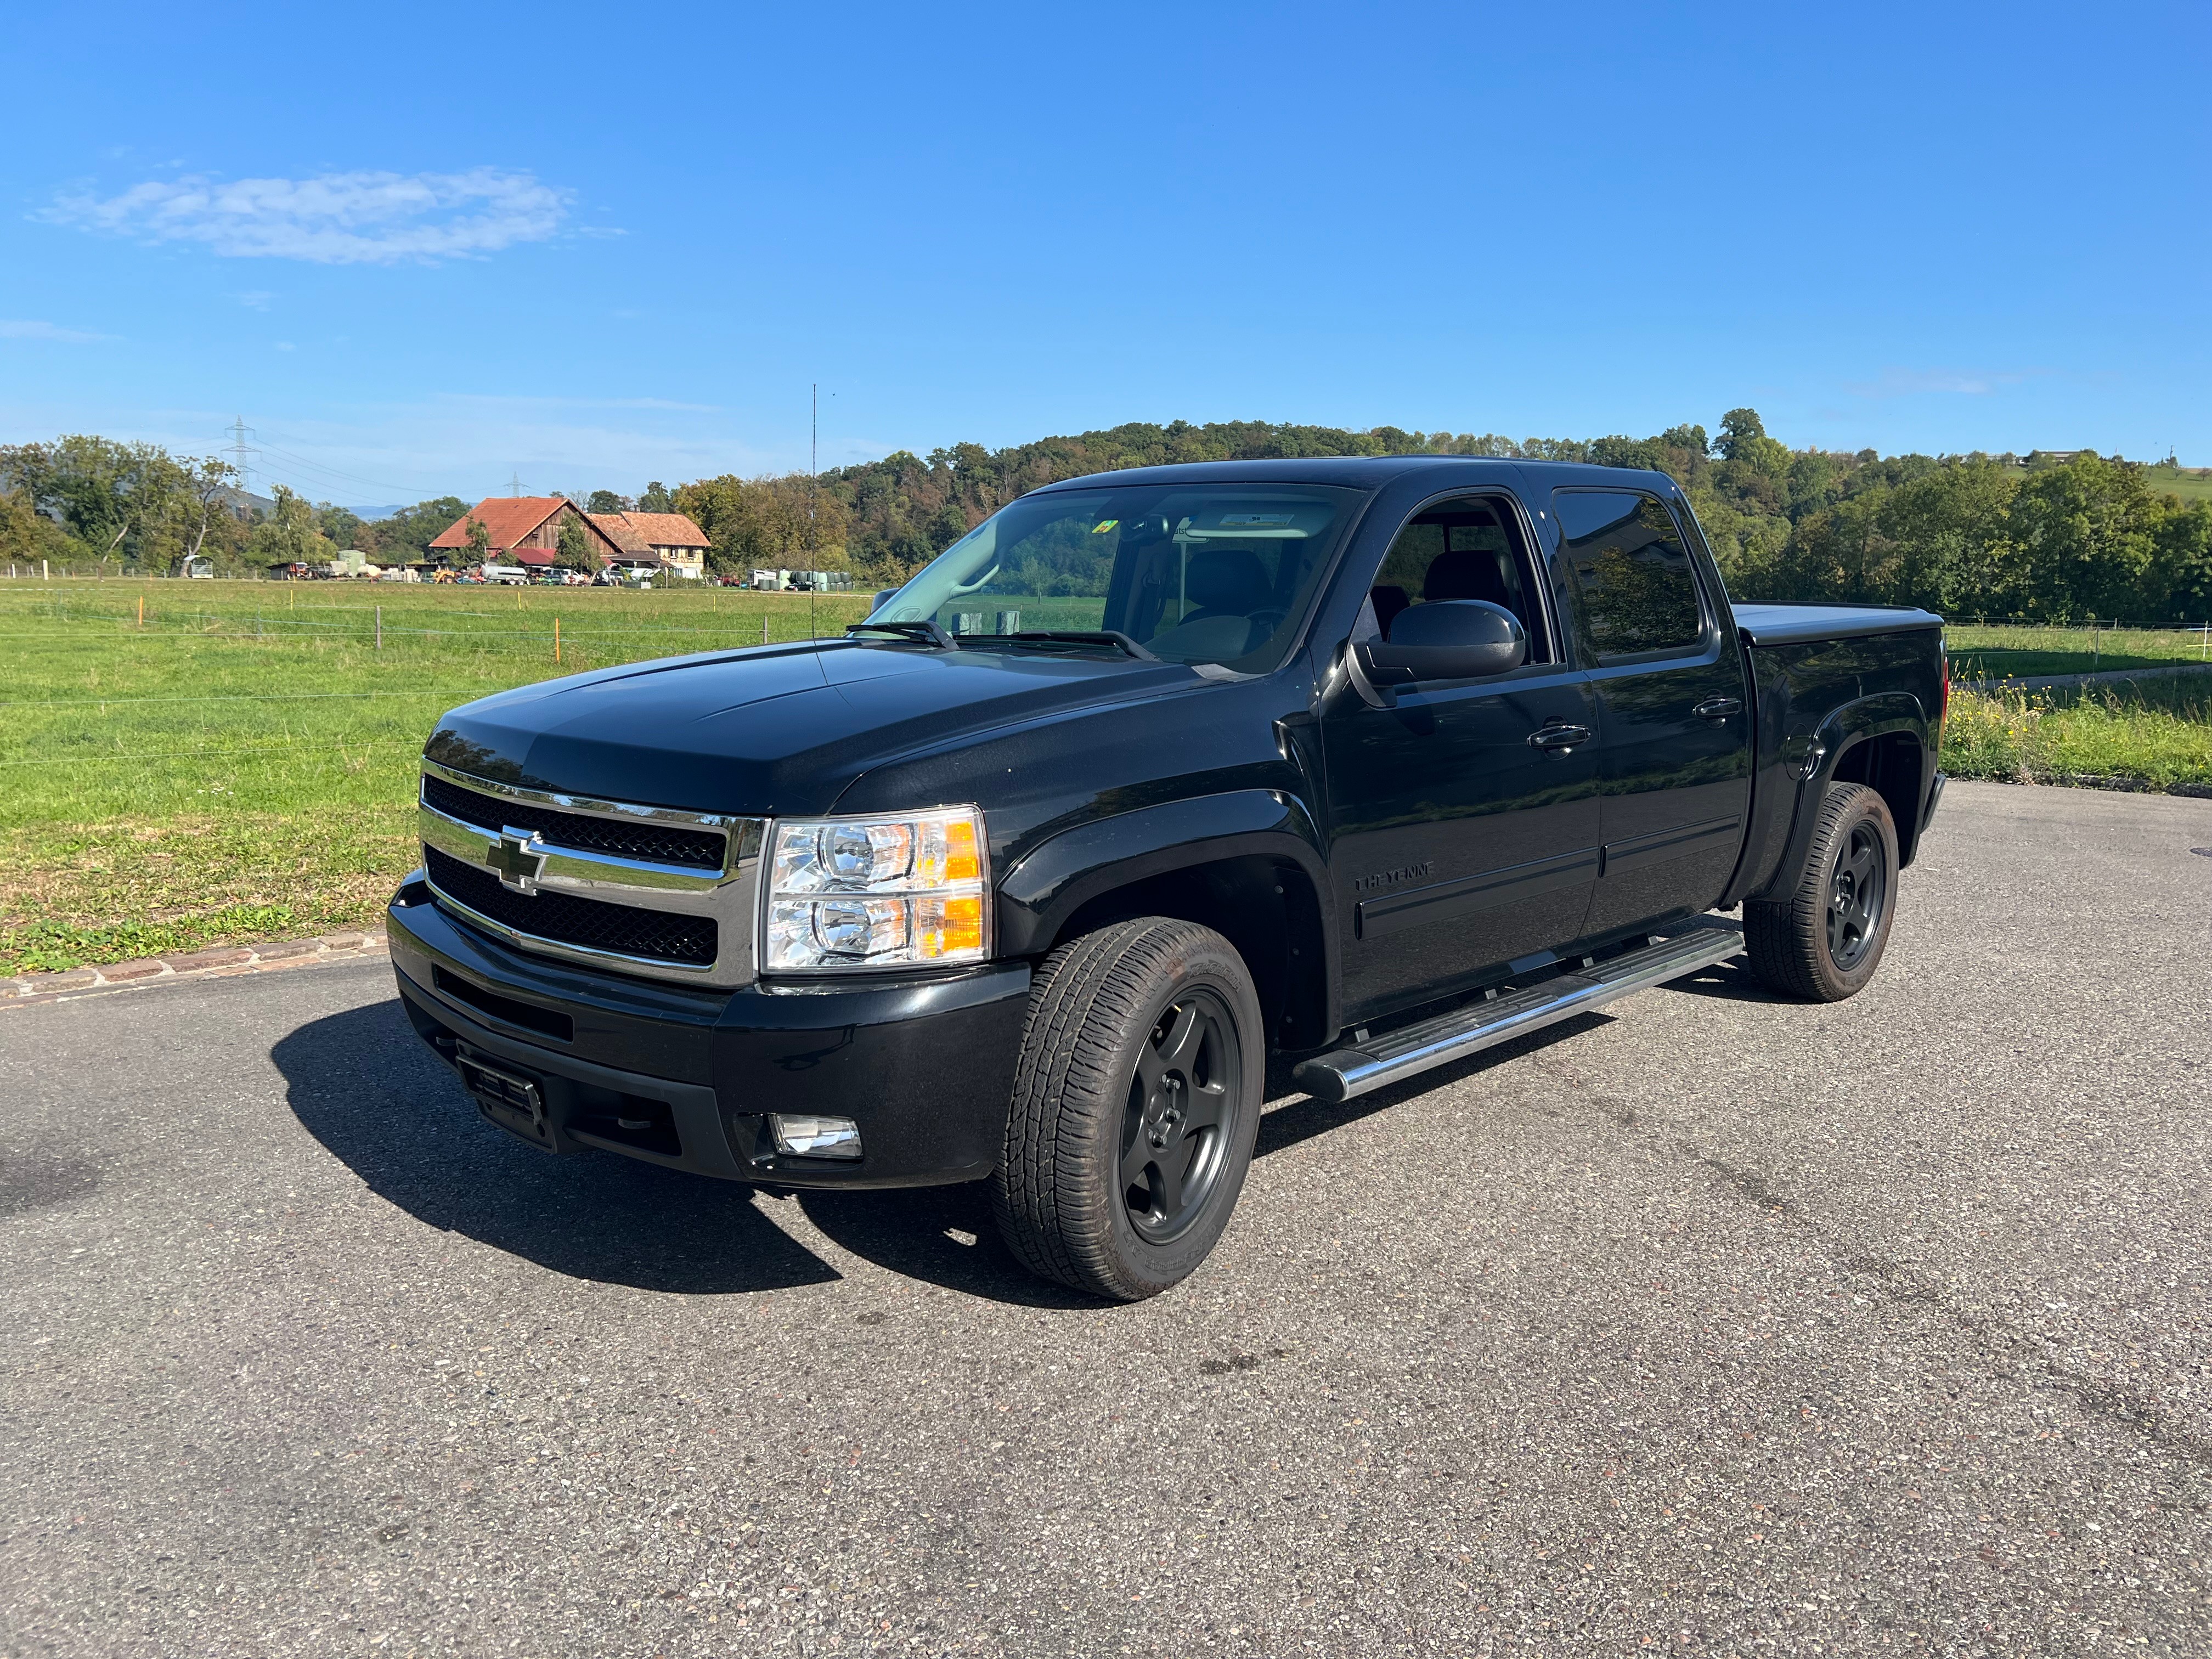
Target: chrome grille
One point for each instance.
(645, 889)
(644, 839)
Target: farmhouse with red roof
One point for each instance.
(525, 530)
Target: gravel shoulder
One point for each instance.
(1710, 1322)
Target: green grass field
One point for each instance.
(2191, 483)
(2159, 732)
(241, 764)
(1993, 652)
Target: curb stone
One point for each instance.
(221, 961)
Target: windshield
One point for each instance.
(1220, 574)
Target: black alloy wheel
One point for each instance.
(1184, 1095)
(1858, 894)
(1136, 1106)
(1821, 934)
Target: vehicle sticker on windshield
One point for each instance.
(1103, 526)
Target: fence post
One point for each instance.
(764, 628)
(379, 628)
(557, 639)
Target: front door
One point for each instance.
(1672, 708)
(1464, 820)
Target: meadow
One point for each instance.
(1985, 652)
(190, 763)
(237, 759)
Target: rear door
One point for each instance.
(1674, 757)
(1464, 817)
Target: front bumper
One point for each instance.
(685, 1076)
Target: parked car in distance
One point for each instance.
(1370, 764)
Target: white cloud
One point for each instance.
(336, 218)
(31, 330)
(256, 299)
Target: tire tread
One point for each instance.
(1786, 938)
(1052, 1214)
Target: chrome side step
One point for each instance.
(1342, 1073)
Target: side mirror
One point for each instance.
(882, 598)
(1444, 639)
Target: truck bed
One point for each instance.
(1796, 624)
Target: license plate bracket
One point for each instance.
(510, 1098)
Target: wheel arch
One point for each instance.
(1881, 741)
(1245, 863)
(1892, 763)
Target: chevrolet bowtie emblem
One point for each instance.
(518, 857)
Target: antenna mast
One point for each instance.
(813, 471)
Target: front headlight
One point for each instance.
(878, 892)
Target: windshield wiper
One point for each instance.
(922, 633)
(1109, 638)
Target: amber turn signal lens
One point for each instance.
(947, 927)
(961, 861)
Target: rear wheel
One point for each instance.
(1136, 1104)
(1825, 940)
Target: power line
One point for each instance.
(336, 472)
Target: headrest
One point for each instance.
(1227, 579)
(1464, 574)
(1388, 599)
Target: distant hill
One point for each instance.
(245, 501)
(2191, 483)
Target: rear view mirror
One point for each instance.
(1444, 639)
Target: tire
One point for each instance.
(1136, 1104)
(1823, 943)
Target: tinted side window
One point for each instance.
(1469, 548)
(1638, 594)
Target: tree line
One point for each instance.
(2057, 537)
(2061, 537)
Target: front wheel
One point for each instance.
(1135, 1108)
(1825, 940)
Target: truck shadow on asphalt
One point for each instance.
(363, 1084)
(1731, 981)
(1300, 1117)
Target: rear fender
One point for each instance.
(1820, 756)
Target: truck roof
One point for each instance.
(1370, 472)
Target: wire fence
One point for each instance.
(551, 633)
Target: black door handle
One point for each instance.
(1718, 709)
(1559, 739)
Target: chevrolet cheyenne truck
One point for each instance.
(1366, 763)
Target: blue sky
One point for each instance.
(423, 250)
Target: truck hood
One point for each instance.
(772, 730)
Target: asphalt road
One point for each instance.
(1715, 1326)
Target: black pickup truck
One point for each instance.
(1368, 764)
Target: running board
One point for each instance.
(1342, 1073)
